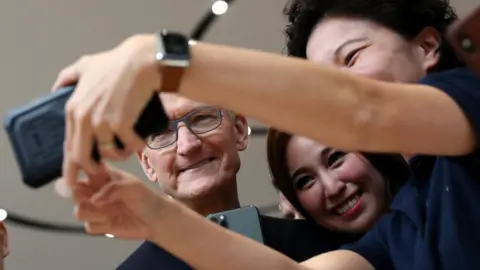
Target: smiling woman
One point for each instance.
(339, 190)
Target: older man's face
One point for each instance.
(200, 160)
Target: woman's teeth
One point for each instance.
(348, 205)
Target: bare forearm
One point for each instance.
(338, 260)
(287, 93)
(204, 245)
(328, 105)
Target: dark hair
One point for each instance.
(405, 17)
(393, 167)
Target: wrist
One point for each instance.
(144, 48)
(173, 58)
(160, 215)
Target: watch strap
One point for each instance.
(171, 78)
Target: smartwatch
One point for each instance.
(173, 56)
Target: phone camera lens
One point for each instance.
(222, 221)
(467, 45)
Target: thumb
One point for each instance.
(115, 173)
(100, 178)
(106, 195)
(112, 192)
(122, 187)
(66, 77)
(71, 74)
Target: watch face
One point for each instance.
(175, 45)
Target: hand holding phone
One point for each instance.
(37, 130)
(464, 36)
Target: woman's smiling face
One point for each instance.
(340, 190)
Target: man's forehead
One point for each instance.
(177, 106)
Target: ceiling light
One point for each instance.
(219, 7)
(3, 214)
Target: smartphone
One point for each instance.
(245, 221)
(36, 132)
(464, 36)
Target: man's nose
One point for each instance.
(187, 142)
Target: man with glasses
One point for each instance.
(196, 159)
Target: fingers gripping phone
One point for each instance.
(245, 221)
(36, 132)
(464, 36)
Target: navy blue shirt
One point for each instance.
(434, 222)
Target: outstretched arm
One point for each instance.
(328, 105)
(120, 204)
(331, 106)
(205, 245)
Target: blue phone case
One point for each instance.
(37, 130)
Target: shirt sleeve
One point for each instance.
(463, 86)
(373, 245)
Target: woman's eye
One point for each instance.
(302, 182)
(335, 159)
(351, 57)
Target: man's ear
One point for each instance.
(145, 163)
(241, 132)
(3, 240)
(429, 40)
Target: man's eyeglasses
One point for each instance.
(199, 121)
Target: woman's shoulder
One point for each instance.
(453, 79)
(462, 85)
(454, 72)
